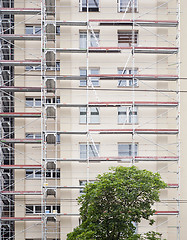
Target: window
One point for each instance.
(127, 149)
(93, 39)
(33, 30)
(127, 82)
(83, 183)
(38, 67)
(36, 174)
(50, 100)
(34, 209)
(33, 102)
(33, 135)
(92, 81)
(127, 38)
(127, 6)
(93, 150)
(93, 115)
(93, 5)
(37, 30)
(126, 114)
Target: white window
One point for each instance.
(127, 38)
(127, 149)
(93, 115)
(127, 6)
(127, 82)
(92, 81)
(93, 39)
(38, 67)
(33, 102)
(34, 209)
(93, 5)
(83, 183)
(127, 115)
(93, 150)
(33, 30)
(36, 174)
(33, 135)
(51, 100)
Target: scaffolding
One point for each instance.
(104, 88)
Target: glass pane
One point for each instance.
(83, 40)
(94, 112)
(29, 174)
(38, 174)
(94, 39)
(38, 30)
(29, 209)
(94, 150)
(29, 136)
(38, 209)
(29, 102)
(38, 102)
(37, 136)
(122, 115)
(83, 114)
(29, 68)
(123, 150)
(29, 30)
(57, 66)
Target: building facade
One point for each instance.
(86, 85)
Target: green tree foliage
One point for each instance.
(115, 201)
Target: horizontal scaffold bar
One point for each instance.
(122, 131)
(125, 158)
(21, 192)
(20, 89)
(20, 114)
(136, 22)
(151, 50)
(20, 166)
(12, 140)
(116, 104)
(19, 62)
(31, 37)
(20, 219)
(20, 11)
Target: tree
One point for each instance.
(115, 201)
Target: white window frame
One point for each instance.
(49, 208)
(93, 115)
(33, 135)
(127, 82)
(93, 81)
(36, 174)
(93, 150)
(83, 183)
(34, 29)
(93, 39)
(129, 10)
(84, 8)
(127, 115)
(35, 101)
(130, 147)
(38, 67)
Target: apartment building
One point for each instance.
(86, 85)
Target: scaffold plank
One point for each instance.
(21, 11)
(71, 23)
(116, 104)
(136, 22)
(20, 62)
(166, 213)
(125, 158)
(20, 219)
(11, 140)
(20, 89)
(20, 166)
(32, 37)
(122, 131)
(21, 192)
(20, 114)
